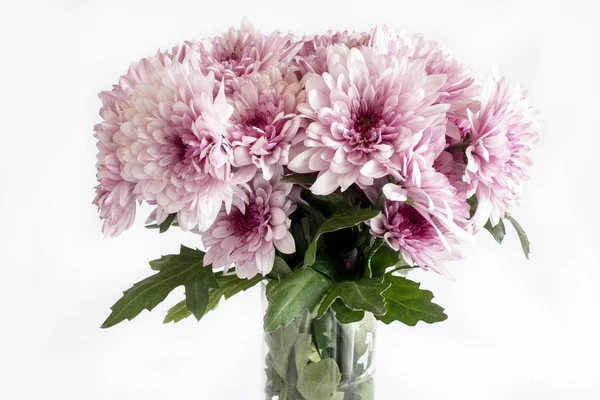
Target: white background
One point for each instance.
(516, 329)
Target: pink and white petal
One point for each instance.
(286, 245)
(326, 183)
(265, 261)
(395, 192)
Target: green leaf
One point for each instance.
(522, 235)
(473, 203)
(330, 203)
(280, 268)
(275, 384)
(305, 351)
(384, 257)
(197, 290)
(497, 231)
(327, 266)
(345, 315)
(177, 313)
(314, 217)
(369, 253)
(280, 343)
(230, 285)
(408, 304)
(365, 328)
(296, 292)
(361, 295)
(308, 223)
(380, 200)
(364, 390)
(149, 292)
(344, 218)
(166, 224)
(299, 179)
(300, 237)
(186, 255)
(304, 225)
(322, 329)
(319, 381)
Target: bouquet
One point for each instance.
(326, 166)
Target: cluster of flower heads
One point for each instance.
(206, 130)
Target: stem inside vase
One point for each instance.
(321, 359)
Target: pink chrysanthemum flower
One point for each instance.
(432, 193)
(173, 146)
(239, 52)
(423, 217)
(460, 87)
(369, 111)
(249, 236)
(503, 133)
(406, 230)
(452, 165)
(148, 70)
(312, 57)
(114, 195)
(264, 122)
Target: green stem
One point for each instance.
(400, 268)
(458, 148)
(306, 323)
(462, 146)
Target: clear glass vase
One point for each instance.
(320, 359)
